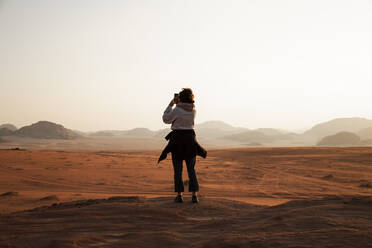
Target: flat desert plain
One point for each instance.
(251, 197)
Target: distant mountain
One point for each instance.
(215, 125)
(102, 134)
(340, 139)
(211, 131)
(365, 133)
(11, 127)
(108, 133)
(338, 125)
(367, 142)
(136, 132)
(205, 130)
(216, 129)
(162, 132)
(80, 133)
(46, 130)
(218, 133)
(265, 135)
(140, 132)
(269, 131)
(5, 132)
(250, 137)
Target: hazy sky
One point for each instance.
(93, 65)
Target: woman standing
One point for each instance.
(182, 142)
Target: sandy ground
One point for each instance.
(256, 197)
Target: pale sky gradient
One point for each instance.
(93, 65)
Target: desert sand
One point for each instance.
(249, 197)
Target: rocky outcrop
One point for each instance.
(340, 139)
(46, 130)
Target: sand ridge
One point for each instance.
(256, 197)
(155, 222)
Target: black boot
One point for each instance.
(178, 199)
(194, 199)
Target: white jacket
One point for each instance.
(179, 118)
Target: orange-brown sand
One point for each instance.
(256, 197)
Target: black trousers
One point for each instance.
(178, 182)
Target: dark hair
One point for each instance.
(186, 95)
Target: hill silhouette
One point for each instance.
(212, 134)
(140, 132)
(250, 137)
(162, 132)
(102, 134)
(340, 139)
(216, 129)
(365, 133)
(209, 129)
(220, 125)
(334, 126)
(135, 132)
(269, 131)
(46, 130)
(261, 136)
(11, 127)
(5, 132)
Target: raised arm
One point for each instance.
(169, 114)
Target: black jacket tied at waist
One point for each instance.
(183, 145)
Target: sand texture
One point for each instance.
(251, 197)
